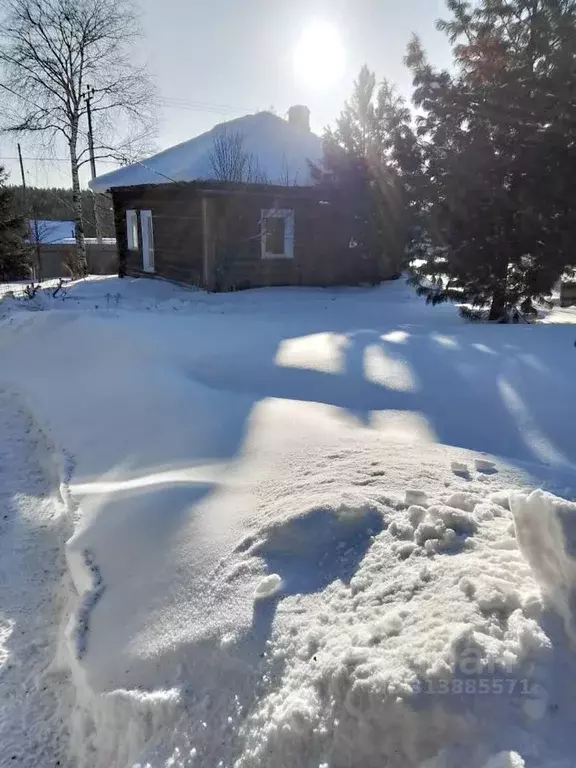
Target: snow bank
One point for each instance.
(35, 690)
(505, 760)
(109, 295)
(270, 574)
(431, 643)
(546, 533)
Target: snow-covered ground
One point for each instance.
(302, 530)
(35, 692)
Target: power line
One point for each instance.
(203, 106)
(55, 159)
(194, 105)
(168, 101)
(199, 108)
(36, 106)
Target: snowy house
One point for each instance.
(235, 207)
(50, 232)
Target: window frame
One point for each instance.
(288, 215)
(132, 230)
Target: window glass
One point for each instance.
(275, 233)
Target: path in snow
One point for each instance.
(34, 694)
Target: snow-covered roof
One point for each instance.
(91, 241)
(278, 149)
(50, 232)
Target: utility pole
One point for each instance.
(88, 95)
(22, 170)
(34, 216)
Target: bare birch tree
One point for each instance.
(51, 53)
(230, 161)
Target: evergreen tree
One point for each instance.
(361, 164)
(15, 256)
(499, 154)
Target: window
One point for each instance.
(147, 241)
(132, 230)
(277, 233)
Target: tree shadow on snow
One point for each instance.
(474, 388)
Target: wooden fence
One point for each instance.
(57, 259)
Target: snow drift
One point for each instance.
(546, 532)
(275, 560)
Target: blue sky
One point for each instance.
(212, 60)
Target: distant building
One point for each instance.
(57, 255)
(50, 232)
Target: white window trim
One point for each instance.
(132, 240)
(147, 237)
(278, 213)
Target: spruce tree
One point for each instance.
(15, 253)
(361, 164)
(499, 154)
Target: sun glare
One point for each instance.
(320, 58)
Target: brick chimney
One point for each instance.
(299, 116)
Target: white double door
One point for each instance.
(147, 232)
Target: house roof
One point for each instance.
(279, 152)
(211, 188)
(51, 231)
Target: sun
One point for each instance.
(320, 57)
